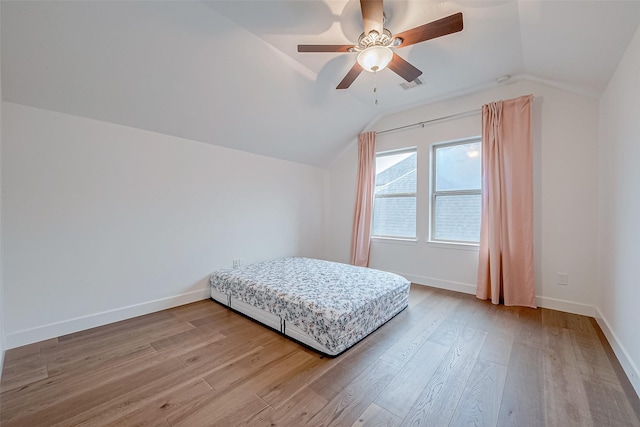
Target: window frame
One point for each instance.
(434, 193)
(395, 195)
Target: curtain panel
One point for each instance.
(365, 187)
(505, 268)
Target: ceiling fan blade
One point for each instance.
(372, 15)
(324, 47)
(350, 77)
(403, 68)
(432, 30)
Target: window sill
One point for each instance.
(394, 240)
(455, 246)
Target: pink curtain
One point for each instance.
(361, 237)
(505, 270)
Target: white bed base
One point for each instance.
(271, 320)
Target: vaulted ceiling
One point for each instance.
(228, 73)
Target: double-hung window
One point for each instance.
(394, 206)
(456, 191)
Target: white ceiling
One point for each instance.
(228, 73)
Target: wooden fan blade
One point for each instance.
(432, 30)
(350, 77)
(403, 68)
(324, 47)
(372, 15)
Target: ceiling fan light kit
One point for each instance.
(375, 58)
(375, 43)
(374, 53)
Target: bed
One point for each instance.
(324, 305)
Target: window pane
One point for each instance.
(457, 218)
(394, 216)
(396, 173)
(458, 167)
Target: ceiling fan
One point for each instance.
(374, 45)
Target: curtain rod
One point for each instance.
(452, 116)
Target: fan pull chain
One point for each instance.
(375, 85)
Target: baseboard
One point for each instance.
(630, 368)
(52, 330)
(3, 347)
(439, 283)
(566, 306)
(1, 362)
(544, 302)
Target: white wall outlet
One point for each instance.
(563, 279)
(237, 263)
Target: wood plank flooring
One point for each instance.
(449, 359)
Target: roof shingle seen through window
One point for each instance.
(399, 178)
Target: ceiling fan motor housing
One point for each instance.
(374, 38)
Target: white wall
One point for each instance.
(2, 335)
(565, 196)
(619, 213)
(103, 222)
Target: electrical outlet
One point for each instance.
(563, 279)
(236, 263)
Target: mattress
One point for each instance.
(326, 305)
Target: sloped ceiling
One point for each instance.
(228, 73)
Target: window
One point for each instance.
(456, 192)
(394, 206)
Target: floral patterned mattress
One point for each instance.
(335, 304)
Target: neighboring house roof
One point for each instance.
(399, 178)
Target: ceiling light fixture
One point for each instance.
(374, 50)
(375, 58)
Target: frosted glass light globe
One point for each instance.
(375, 58)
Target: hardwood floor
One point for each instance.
(449, 359)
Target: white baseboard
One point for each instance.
(566, 306)
(52, 330)
(465, 288)
(1, 361)
(439, 283)
(630, 368)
